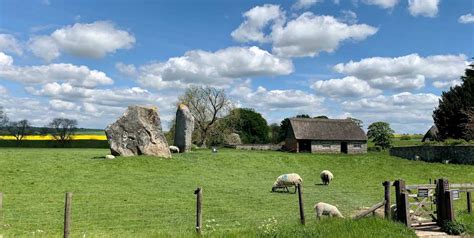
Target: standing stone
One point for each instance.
(184, 128)
(138, 132)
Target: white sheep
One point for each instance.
(287, 180)
(174, 149)
(322, 208)
(326, 177)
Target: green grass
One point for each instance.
(146, 196)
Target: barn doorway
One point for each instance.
(344, 147)
(304, 146)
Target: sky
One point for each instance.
(375, 60)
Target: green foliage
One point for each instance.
(249, 124)
(285, 124)
(381, 134)
(468, 221)
(453, 227)
(405, 137)
(322, 117)
(275, 132)
(452, 115)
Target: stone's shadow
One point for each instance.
(320, 184)
(98, 157)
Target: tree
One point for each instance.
(250, 125)
(322, 117)
(360, 123)
(381, 134)
(450, 116)
(62, 129)
(469, 125)
(19, 129)
(285, 124)
(274, 133)
(206, 104)
(3, 117)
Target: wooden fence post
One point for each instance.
(387, 212)
(404, 209)
(300, 202)
(198, 193)
(441, 187)
(67, 214)
(449, 205)
(399, 188)
(469, 202)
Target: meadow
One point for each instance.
(147, 196)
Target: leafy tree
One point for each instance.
(19, 129)
(451, 116)
(206, 104)
(322, 117)
(285, 124)
(381, 134)
(3, 117)
(303, 116)
(62, 129)
(250, 125)
(274, 133)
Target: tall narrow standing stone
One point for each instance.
(184, 128)
(138, 132)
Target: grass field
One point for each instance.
(146, 196)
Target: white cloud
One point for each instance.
(468, 18)
(405, 72)
(426, 8)
(3, 90)
(406, 112)
(346, 87)
(256, 19)
(44, 47)
(348, 16)
(385, 4)
(446, 84)
(218, 68)
(9, 44)
(93, 40)
(5, 60)
(61, 105)
(126, 69)
(76, 75)
(304, 4)
(308, 35)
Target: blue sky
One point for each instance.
(374, 60)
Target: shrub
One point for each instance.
(405, 137)
(453, 228)
(374, 149)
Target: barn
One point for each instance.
(431, 135)
(325, 136)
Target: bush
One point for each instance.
(405, 137)
(453, 228)
(374, 149)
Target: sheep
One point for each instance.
(326, 177)
(174, 149)
(322, 208)
(287, 180)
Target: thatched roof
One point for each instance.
(431, 134)
(326, 129)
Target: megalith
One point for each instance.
(184, 128)
(138, 132)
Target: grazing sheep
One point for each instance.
(174, 149)
(287, 180)
(322, 208)
(326, 177)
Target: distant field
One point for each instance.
(146, 196)
(49, 137)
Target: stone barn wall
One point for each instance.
(258, 147)
(335, 147)
(454, 154)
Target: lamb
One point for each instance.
(174, 149)
(287, 180)
(326, 177)
(322, 208)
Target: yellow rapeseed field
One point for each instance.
(49, 137)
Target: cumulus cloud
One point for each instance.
(405, 72)
(126, 69)
(218, 68)
(348, 16)
(256, 19)
(76, 75)
(9, 44)
(468, 18)
(385, 4)
(93, 40)
(3, 90)
(309, 34)
(61, 105)
(426, 8)
(346, 87)
(304, 4)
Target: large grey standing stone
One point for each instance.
(138, 132)
(184, 128)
